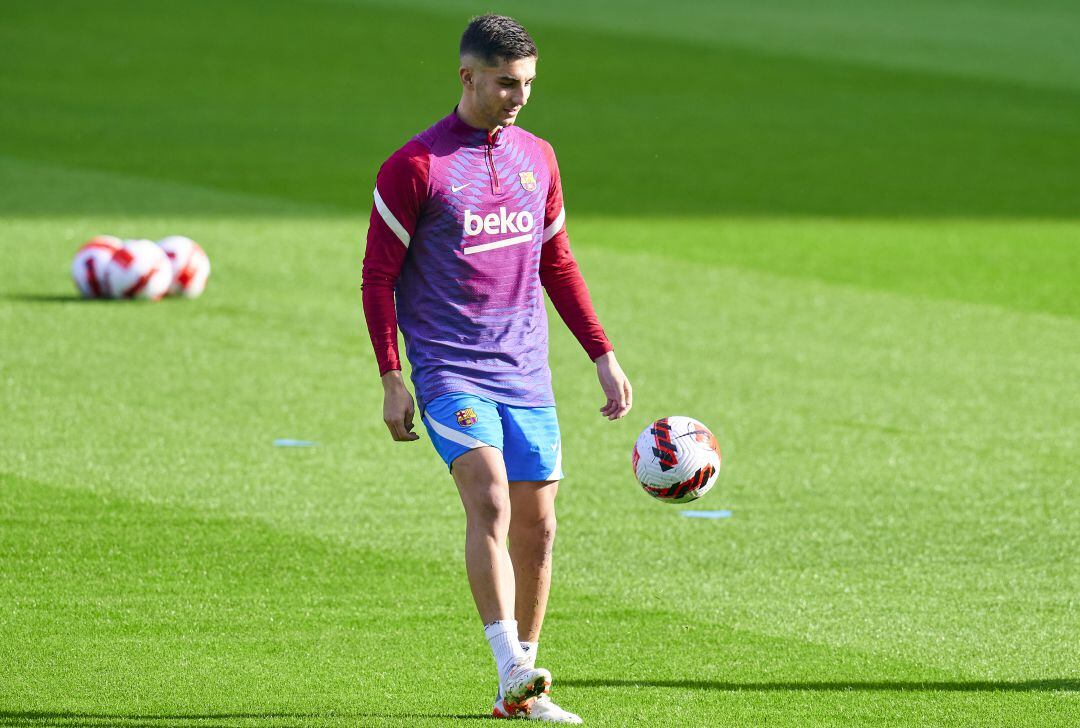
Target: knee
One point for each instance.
(541, 531)
(490, 513)
(547, 530)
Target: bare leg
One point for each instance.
(480, 476)
(532, 533)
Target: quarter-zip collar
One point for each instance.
(472, 135)
(483, 139)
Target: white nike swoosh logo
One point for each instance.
(458, 188)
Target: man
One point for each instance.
(467, 225)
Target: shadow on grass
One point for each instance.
(50, 298)
(963, 686)
(40, 719)
(59, 719)
(75, 298)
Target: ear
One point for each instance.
(466, 74)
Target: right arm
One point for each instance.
(400, 192)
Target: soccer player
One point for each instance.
(467, 227)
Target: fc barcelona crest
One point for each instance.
(466, 417)
(528, 180)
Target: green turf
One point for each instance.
(302, 100)
(892, 378)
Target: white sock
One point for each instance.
(530, 648)
(503, 638)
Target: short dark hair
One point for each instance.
(495, 38)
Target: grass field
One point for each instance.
(847, 239)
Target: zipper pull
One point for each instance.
(495, 186)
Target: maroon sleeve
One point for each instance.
(559, 272)
(401, 188)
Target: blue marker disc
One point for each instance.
(706, 514)
(285, 442)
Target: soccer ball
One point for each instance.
(676, 459)
(88, 268)
(140, 269)
(190, 266)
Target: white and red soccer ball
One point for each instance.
(190, 264)
(140, 269)
(676, 459)
(88, 268)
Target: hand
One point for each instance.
(398, 407)
(616, 387)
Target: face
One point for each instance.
(499, 92)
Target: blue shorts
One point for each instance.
(527, 436)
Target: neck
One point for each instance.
(466, 111)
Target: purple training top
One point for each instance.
(462, 220)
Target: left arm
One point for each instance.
(561, 278)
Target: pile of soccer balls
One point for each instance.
(676, 459)
(108, 267)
